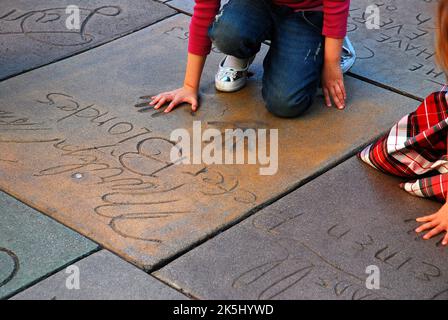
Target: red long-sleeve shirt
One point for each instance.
(335, 19)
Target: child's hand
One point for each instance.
(176, 97)
(333, 84)
(437, 222)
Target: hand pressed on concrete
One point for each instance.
(333, 85)
(175, 98)
(332, 76)
(189, 92)
(437, 222)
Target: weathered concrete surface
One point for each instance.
(317, 242)
(32, 245)
(187, 6)
(33, 34)
(102, 276)
(399, 54)
(87, 157)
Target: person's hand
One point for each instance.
(436, 223)
(176, 97)
(333, 85)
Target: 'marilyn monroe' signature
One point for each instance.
(48, 25)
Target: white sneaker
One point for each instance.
(229, 79)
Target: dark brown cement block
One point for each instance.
(77, 149)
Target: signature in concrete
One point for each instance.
(48, 25)
(132, 175)
(298, 265)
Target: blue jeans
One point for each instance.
(293, 65)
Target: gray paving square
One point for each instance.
(33, 245)
(102, 276)
(34, 33)
(317, 243)
(400, 53)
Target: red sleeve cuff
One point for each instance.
(199, 51)
(333, 34)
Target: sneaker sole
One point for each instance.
(224, 88)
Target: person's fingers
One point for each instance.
(155, 99)
(167, 95)
(172, 105)
(342, 86)
(426, 226)
(340, 95)
(160, 103)
(426, 218)
(194, 104)
(335, 98)
(327, 97)
(445, 240)
(433, 233)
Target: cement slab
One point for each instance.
(34, 34)
(318, 243)
(33, 246)
(400, 52)
(102, 276)
(77, 149)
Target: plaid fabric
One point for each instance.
(416, 148)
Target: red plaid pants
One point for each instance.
(416, 148)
